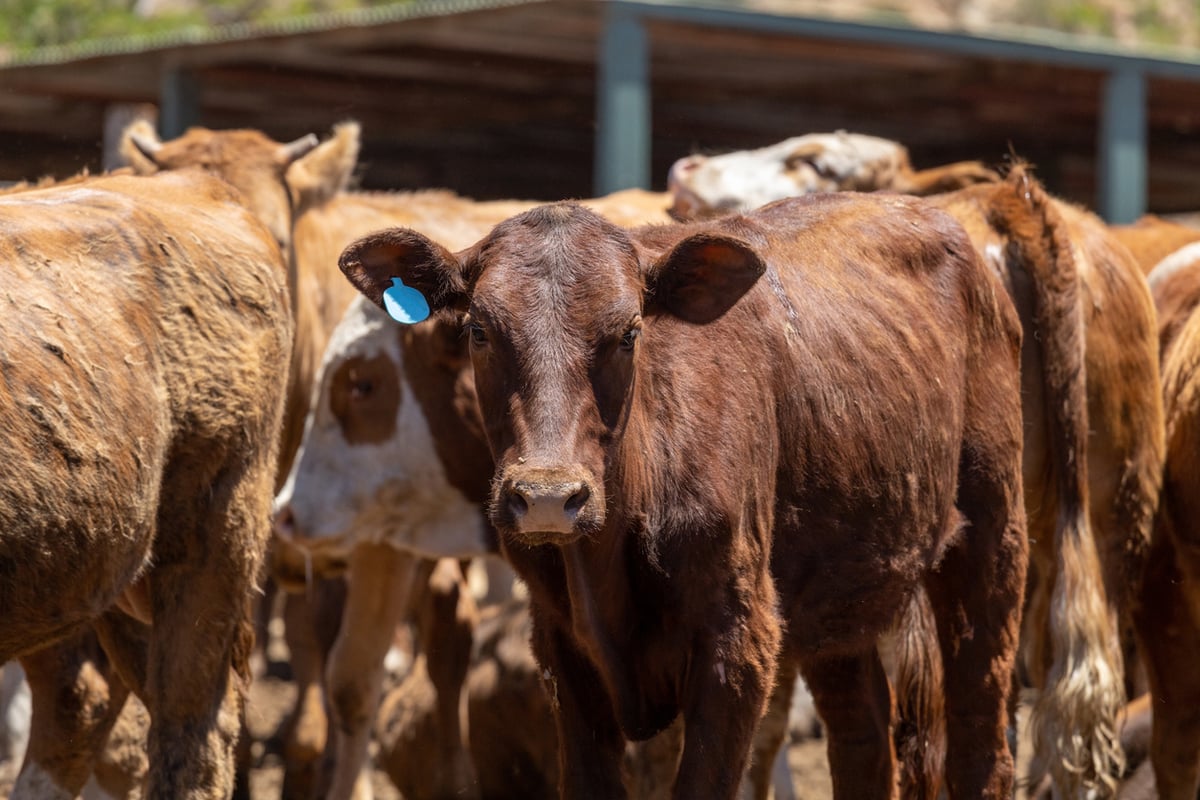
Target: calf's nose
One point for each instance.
(547, 506)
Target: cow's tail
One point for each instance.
(1074, 719)
(920, 734)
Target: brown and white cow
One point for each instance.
(1038, 244)
(816, 162)
(704, 433)
(145, 348)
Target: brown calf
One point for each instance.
(385, 393)
(145, 356)
(703, 432)
(1071, 282)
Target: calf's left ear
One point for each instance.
(372, 262)
(703, 276)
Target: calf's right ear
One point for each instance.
(372, 262)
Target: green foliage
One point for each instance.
(26, 24)
(1150, 22)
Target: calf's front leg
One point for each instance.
(378, 585)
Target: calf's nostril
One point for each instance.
(517, 504)
(575, 502)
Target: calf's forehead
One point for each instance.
(558, 266)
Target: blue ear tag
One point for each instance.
(404, 303)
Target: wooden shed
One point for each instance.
(565, 98)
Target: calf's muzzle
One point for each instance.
(546, 501)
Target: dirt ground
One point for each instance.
(271, 698)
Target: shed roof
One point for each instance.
(497, 97)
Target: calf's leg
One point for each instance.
(590, 743)
(726, 693)
(378, 589)
(312, 622)
(76, 699)
(209, 548)
(1169, 638)
(976, 594)
(770, 735)
(854, 700)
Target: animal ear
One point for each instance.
(287, 154)
(318, 176)
(139, 147)
(372, 262)
(703, 276)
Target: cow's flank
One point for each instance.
(144, 345)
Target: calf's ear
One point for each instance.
(703, 276)
(372, 262)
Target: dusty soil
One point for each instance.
(271, 698)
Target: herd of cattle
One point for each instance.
(920, 438)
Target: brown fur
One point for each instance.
(1165, 251)
(510, 725)
(329, 222)
(1059, 262)
(1046, 251)
(252, 178)
(801, 380)
(1169, 610)
(512, 741)
(145, 452)
(1152, 238)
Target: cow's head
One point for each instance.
(248, 160)
(560, 305)
(372, 466)
(818, 162)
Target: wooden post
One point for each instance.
(1121, 156)
(179, 106)
(622, 103)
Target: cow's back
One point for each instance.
(857, 410)
(138, 312)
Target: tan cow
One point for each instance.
(1169, 611)
(1073, 654)
(145, 350)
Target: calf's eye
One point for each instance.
(478, 335)
(361, 388)
(629, 338)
